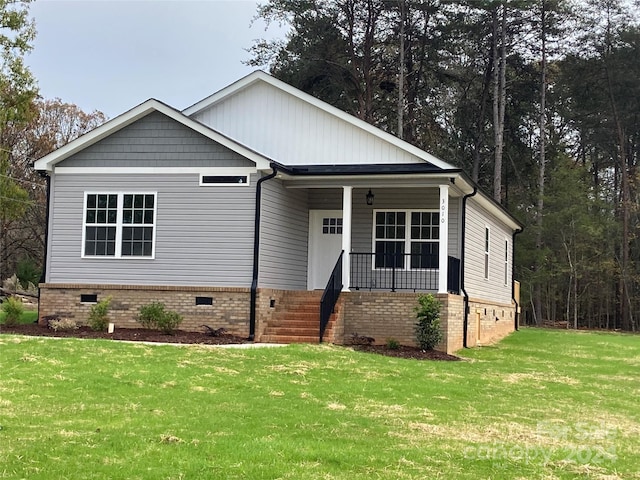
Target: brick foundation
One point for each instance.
(230, 307)
(495, 321)
(385, 315)
(381, 315)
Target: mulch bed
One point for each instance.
(406, 352)
(202, 338)
(131, 334)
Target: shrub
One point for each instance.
(155, 316)
(14, 309)
(393, 344)
(428, 332)
(98, 316)
(63, 324)
(148, 314)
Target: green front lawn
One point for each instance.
(541, 405)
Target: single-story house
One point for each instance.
(277, 216)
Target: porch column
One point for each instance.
(444, 239)
(346, 237)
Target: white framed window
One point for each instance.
(119, 225)
(396, 232)
(506, 261)
(487, 242)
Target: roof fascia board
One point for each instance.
(260, 75)
(49, 161)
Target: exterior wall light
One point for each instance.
(370, 197)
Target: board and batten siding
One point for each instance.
(156, 141)
(204, 234)
(284, 234)
(303, 135)
(386, 199)
(476, 285)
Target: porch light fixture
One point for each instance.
(370, 197)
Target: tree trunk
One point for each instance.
(401, 69)
(499, 95)
(542, 158)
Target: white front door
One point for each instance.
(325, 245)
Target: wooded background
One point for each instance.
(538, 100)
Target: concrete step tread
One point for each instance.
(290, 339)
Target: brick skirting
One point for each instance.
(229, 309)
(385, 315)
(381, 315)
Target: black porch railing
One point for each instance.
(453, 277)
(401, 271)
(330, 295)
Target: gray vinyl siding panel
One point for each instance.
(476, 285)
(284, 235)
(204, 235)
(156, 141)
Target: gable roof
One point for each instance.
(260, 76)
(47, 162)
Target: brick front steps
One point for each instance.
(297, 320)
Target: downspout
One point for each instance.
(43, 276)
(513, 269)
(256, 253)
(465, 323)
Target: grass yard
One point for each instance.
(542, 404)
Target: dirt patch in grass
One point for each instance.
(131, 334)
(404, 351)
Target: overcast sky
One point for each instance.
(113, 55)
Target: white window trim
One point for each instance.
(407, 235)
(487, 251)
(119, 225)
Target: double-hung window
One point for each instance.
(413, 231)
(425, 234)
(119, 225)
(390, 239)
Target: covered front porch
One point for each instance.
(359, 236)
(394, 230)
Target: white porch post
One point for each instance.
(346, 237)
(444, 239)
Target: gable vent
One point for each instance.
(224, 180)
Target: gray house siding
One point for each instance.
(284, 237)
(156, 141)
(204, 235)
(476, 285)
